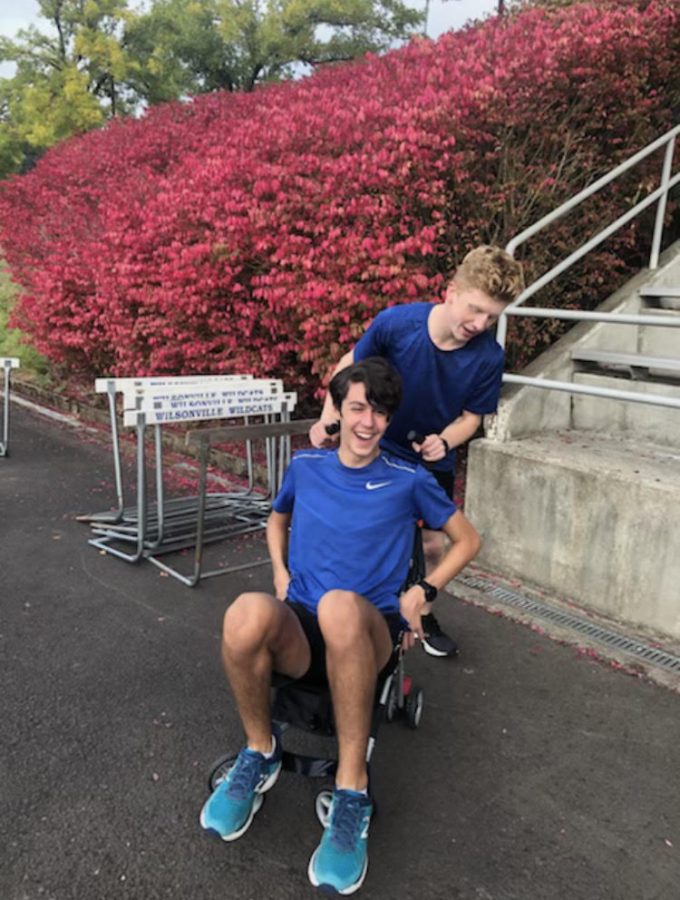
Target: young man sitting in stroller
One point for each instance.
(340, 538)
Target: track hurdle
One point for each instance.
(7, 363)
(162, 527)
(129, 387)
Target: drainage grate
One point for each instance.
(612, 639)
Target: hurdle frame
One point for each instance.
(7, 363)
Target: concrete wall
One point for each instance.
(648, 424)
(579, 517)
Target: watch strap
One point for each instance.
(430, 590)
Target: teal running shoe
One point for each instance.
(231, 807)
(339, 863)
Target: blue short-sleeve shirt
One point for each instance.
(438, 384)
(353, 529)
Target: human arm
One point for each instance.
(465, 544)
(481, 398)
(277, 544)
(454, 434)
(318, 435)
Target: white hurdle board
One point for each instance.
(7, 363)
(120, 385)
(218, 400)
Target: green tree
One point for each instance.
(67, 81)
(204, 45)
(101, 59)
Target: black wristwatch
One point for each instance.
(430, 590)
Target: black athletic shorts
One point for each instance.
(445, 480)
(316, 673)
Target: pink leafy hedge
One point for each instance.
(261, 232)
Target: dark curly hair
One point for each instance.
(381, 381)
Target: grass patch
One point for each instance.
(13, 342)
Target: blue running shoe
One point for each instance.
(232, 805)
(339, 863)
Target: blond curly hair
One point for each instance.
(493, 271)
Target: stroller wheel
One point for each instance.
(322, 805)
(220, 770)
(391, 706)
(414, 706)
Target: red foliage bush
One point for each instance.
(262, 232)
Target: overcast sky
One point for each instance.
(444, 16)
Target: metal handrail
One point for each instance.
(592, 391)
(660, 196)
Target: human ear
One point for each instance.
(451, 292)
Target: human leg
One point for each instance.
(259, 634)
(358, 646)
(435, 641)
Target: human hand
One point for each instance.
(433, 448)
(408, 640)
(412, 606)
(319, 436)
(281, 582)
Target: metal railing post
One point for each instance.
(661, 208)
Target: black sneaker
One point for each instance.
(435, 642)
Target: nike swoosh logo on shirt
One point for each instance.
(374, 485)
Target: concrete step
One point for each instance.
(660, 340)
(649, 424)
(638, 365)
(661, 296)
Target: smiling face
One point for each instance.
(469, 311)
(361, 427)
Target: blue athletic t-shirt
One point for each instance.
(438, 384)
(353, 529)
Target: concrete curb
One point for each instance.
(628, 663)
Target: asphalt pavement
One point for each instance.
(537, 773)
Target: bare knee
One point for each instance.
(248, 622)
(341, 617)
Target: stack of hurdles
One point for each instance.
(254, 408)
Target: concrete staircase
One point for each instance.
(579, 494)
